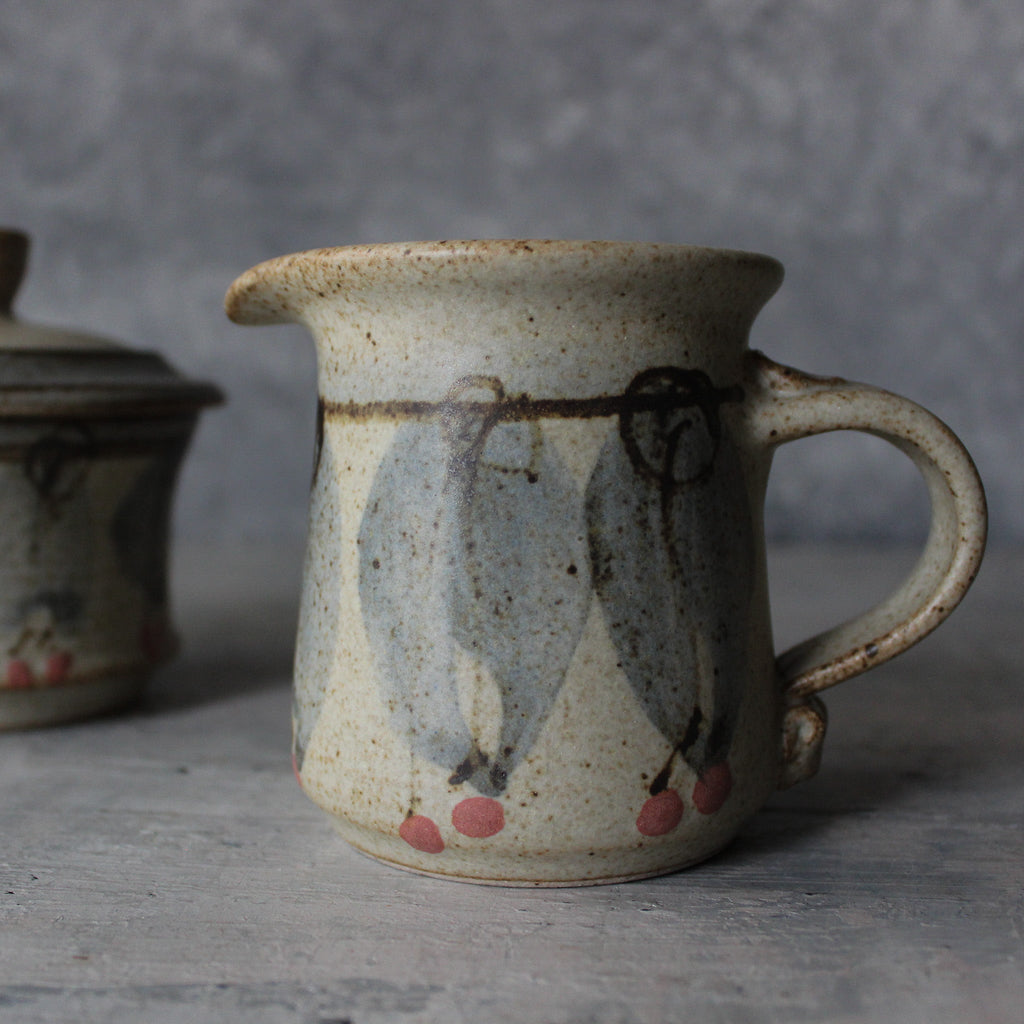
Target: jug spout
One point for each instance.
(273, 292)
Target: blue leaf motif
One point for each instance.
(672, 548)
(473, 541)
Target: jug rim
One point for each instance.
(273, 282)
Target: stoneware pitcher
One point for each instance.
(534, 644)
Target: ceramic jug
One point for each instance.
(534, 644)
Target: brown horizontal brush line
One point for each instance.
(522, 407)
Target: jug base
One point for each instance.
(561, 872)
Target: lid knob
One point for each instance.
(13, 260)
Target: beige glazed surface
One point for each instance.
(535, 643)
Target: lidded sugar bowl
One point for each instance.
(92, 435)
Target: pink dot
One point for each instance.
(478, 817)
(295, 769)
(19, 675)
(421, 834)
(57, 667)
(660, 814)
(712, 788)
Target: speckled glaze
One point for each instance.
(92, 435)
(534, 645)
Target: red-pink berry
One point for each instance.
(660, 814)
(19, 674)
(421, 834)
(57, 667)
(712, 788)
(478, 817)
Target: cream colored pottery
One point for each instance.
(535, 644)
(91, 438)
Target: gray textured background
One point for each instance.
(156, 150)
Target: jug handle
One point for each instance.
(785, 404)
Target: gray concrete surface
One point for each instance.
(163, 865)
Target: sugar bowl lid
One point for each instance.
(51, 372)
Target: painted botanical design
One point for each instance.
(51, 610)
(476, 544)
(473, 544)
(671, 541)
(311, 686)
(140, 535)
(53, 518)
